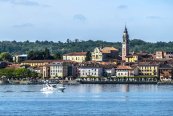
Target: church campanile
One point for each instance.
(125, 44)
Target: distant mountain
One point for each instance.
(136, 45)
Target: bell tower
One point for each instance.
(125, 44)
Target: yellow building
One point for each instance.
(36, 63)
(148, 69)
(75, 56)
(132, 58)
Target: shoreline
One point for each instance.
(88, 82)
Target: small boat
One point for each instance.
(51, 88)
(48, 88)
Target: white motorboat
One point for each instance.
(51, 88)
(48, 88)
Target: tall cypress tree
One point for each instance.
(88, 56)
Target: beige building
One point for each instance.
(148, 69)
(58, 69)
(164, 55)
(159, 54)
(75, 56)
(105, 54)
(61, 69)
(36, 63)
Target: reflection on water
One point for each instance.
(94, 99)
(125, 88)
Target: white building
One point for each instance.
(90, 71)
(126, 71)
(20, 58)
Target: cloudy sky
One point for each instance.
(57, 20)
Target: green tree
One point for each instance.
(88, 56)
(46, 53)
(5, 56)
(57, 56)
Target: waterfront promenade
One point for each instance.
(120, 80)
(114, 80)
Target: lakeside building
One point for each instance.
(59, 69)
(75, 56)
(87, 71)
(126, 71)
(20, 58)
(108, 68)
(90, 69)
(148, 69)
(165, 72)
(104, 54)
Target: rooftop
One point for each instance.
(108, 49)
(120, 67)
(76, 54)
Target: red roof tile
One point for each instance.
(76, 54)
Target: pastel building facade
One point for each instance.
(90, 71)
(58, 69)
(148, 69)
(104, 54)
(75, 56)
(126, 71)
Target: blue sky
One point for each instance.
(57, 20)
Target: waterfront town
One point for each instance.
(102, 65)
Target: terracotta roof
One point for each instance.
(124, 67)
(149, 63)
(43, 61)
(76, 54)
(108, 49)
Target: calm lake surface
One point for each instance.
(95, 100)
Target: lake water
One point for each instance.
(81, 100)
